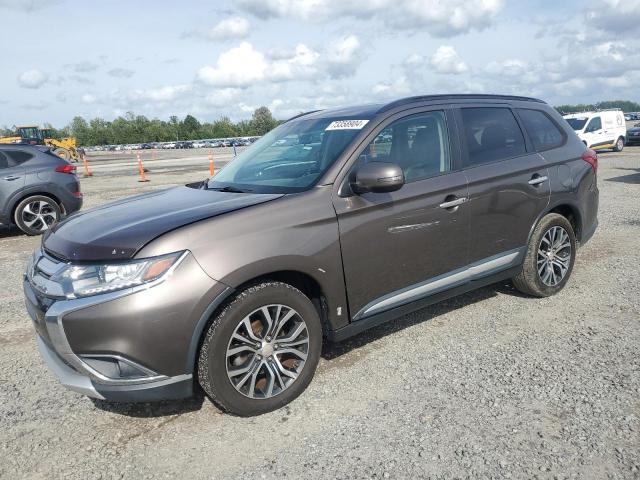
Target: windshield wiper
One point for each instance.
(230, 189)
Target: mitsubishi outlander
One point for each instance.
(332, 223)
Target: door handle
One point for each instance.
(537, 180)
(453, 203)
(11, 177)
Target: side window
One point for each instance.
(594, 125)
(4, 163)
(419, 144)
(491, 134)
(543, 132)
(17, 157)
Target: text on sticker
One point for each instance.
(347, 125)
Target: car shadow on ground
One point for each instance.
(632, 178)
(6, 232)
(153, 409)
(330, 351)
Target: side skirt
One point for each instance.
(366, 323)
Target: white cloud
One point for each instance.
(344, 56)
(121, 72)
(298, 66)
(27, 5)
(509, 68)
(159, 95)
(447, 60)
(83, 67)
(88, 98)
(398, 87)
(222, 97)
(244, 66)
(438, 17)
(240, 66)
(230, 28)
(32, 78)
(614, 16)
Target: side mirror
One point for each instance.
(378, 177)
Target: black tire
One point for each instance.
(619, 145)
(529, 281)
(62, 153)
(49, 210)
(212, 359)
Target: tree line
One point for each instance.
(624, 105)
(131, 128)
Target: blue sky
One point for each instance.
(63, 58)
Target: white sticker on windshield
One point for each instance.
(347, 125)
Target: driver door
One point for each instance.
(396, 245)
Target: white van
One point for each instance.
(599, 130)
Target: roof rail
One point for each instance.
(301, 115)
(425, 98)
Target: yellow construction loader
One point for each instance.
(32, 135)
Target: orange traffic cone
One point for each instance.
(87, 172)
(212, 170)
(141, 170)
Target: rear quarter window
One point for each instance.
(17, 157)
(543, 132)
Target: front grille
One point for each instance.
(44, 268)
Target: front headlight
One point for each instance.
(93, 279)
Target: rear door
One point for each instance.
(12, 177)
(508, 184)
(392, 242)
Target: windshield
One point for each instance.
(577, 123)
(291, 158)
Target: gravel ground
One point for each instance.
(488, 385)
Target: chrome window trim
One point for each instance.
(443, 282)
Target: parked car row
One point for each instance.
(632, 116)
(207, 143)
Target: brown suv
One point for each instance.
(334, 222)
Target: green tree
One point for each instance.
(191, 127)
(262, 121)
(79, 128)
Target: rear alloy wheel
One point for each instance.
(261, 351)
(549, 259)
(37, 214)
(619, 145)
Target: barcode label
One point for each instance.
(347, 125)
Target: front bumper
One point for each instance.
(147, 333)
(168, 389)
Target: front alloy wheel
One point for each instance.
(267, 351)
(261, 350)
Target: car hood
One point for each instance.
(633, 130)
(118, 230)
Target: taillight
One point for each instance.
(591, 157)
(66, 168)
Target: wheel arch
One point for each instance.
(568, 210)
(304, 282)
